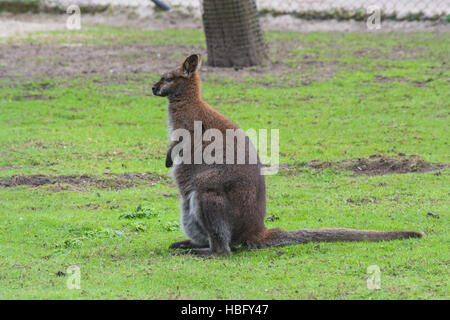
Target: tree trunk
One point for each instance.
(233, 33)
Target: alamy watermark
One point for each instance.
(212, 146)
(74, 279)
(374, 280)
(73, 21)
(374, 18)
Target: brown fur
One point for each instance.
(224, 205)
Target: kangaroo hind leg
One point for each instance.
(213, 215)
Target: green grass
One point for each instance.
(103, 35)
(84, 126)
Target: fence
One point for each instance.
(310, 9)
(342, 9)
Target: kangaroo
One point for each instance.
(224, 205)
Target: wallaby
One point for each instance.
(224, 205)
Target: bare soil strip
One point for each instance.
(109, 181)
(374, 165)
(117, 63)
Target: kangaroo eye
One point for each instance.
(169, 79)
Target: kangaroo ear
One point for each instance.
(191, 64)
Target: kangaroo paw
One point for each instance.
(205, 252)
(202, 252)
(186, 244)
(169, 161)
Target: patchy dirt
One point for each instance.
(109, 181)
(51, 60)
(383, 79)
(32, 97)
(36, 61)
(114, 62)
(375, 165)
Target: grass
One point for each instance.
(106, 35)
(378, 100)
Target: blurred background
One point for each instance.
(401, 9)
(233, 23)
(274, 14)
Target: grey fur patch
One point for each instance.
(189, 220)
(170, 126)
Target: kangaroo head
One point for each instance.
(177, 81)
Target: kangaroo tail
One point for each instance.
(279, 237)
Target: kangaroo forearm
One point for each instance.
(169, 160)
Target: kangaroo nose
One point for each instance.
(154, 89)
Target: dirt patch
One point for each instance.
(384, 79)
(26, 61)
(112, 61)
(375, 165)
(116, 63)
(32, 97)
(53, 60)
(109, 181)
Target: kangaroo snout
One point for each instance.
(154, 89)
